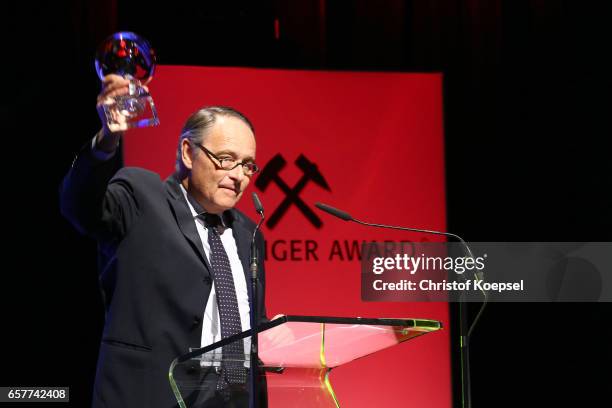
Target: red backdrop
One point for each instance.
(377, 141)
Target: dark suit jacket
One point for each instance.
(154, 274)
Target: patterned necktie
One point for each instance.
(232, 371)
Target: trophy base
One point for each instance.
(131, 112)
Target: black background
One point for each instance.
(527, 108)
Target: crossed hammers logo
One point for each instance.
(271, 173)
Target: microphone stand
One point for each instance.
(464, 332)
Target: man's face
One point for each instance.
(216, 189)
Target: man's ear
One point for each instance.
(187, 154)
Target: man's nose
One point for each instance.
(237, 173)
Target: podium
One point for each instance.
(296, 355)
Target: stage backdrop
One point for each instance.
(369, 143)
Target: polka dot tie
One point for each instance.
(232, 370)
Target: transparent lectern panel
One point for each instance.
(315, 345)
(212, 379)
(300, 387)
(296, 354)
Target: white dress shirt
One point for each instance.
(211, 325)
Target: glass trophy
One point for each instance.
(130, 56)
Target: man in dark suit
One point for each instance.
(173, 255)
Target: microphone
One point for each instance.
(254, 261)
(258, 205)
(347, 217)
(343, 215)
(334, 211)
(254, 266)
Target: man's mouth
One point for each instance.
(234, 190)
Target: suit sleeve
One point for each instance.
(95, 199)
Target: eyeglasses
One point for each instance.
(228, 163)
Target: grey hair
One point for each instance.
(198, 125)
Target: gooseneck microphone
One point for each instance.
(343, 215)
(464, 332)
(254, 266)
(335, 212)
(347, 217)
(258, 205)
(254, 259)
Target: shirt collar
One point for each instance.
(196, 209)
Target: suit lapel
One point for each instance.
(184, 219)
